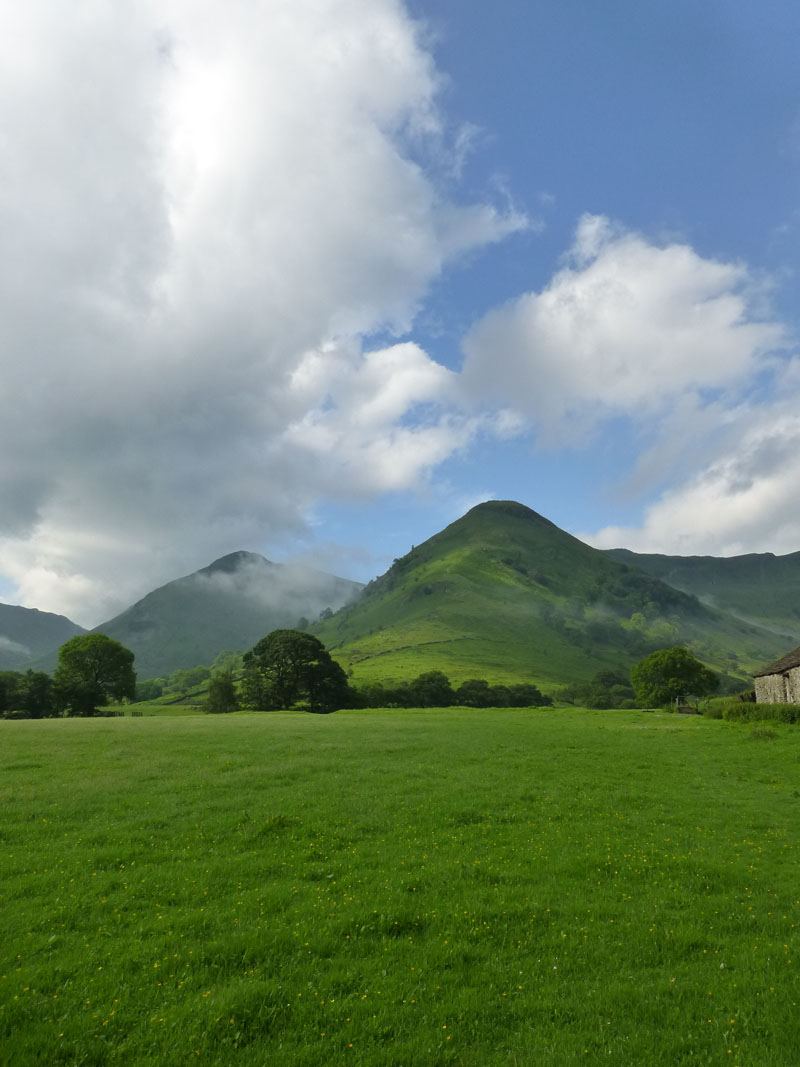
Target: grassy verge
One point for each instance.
(399, 888)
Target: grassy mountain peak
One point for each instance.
(231, 603)
(503, 593)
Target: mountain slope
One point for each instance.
(760, 587)
(230, 604)
(505, 594)
(27, 633)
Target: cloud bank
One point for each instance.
(205, 209)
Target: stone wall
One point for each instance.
(781, 688)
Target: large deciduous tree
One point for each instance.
(288, 666)
(221, 693)
(671, 674)
(92, 670)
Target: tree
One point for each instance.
(527, 695)
(37, 695)
(94, 669)
(32, 694)
(185, 678)
(287, 666)
(432, 690)
(221, 693)
(149, 689)
(9, 690)
(474, 693)
(671, 674)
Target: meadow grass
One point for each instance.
(399, 888)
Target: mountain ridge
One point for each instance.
(500, 592)
(27, 633)
(759, 586)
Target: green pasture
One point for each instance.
(399, 888)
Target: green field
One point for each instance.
(399, 888)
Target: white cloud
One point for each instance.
(684, 348)
(626, 327)
(195, 197)
(745, 500)
(377, 422)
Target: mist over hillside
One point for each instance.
(27, 633)
(231, 603)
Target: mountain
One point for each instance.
(27, 633)
(230, 604)
(504, 594)
(760, 587)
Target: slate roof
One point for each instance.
(785, 663)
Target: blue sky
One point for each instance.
(312, 278)
(679, 121)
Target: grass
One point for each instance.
(399, 888)
(505, 595)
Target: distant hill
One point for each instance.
(231, 604)
(503, 593)
(759, 587)
(27, 633)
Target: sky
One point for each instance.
(311, 278)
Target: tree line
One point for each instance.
(291, 668)
(93, 670)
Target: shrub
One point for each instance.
(734, 711)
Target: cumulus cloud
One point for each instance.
(625, 327)
(744, 499)
(204, 208)
(684, 348)
(381, 421)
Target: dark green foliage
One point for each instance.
(433, 689)
(92, 670)
(149, 689)
(185, 679)
(607, 689)
(669, 675)
(221, 694)
(372, 695)
(288, 666)
(9, 683)
(527, 695)
(37, 695)
(30, 695)
(474, 693)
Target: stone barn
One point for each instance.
(780, 682)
